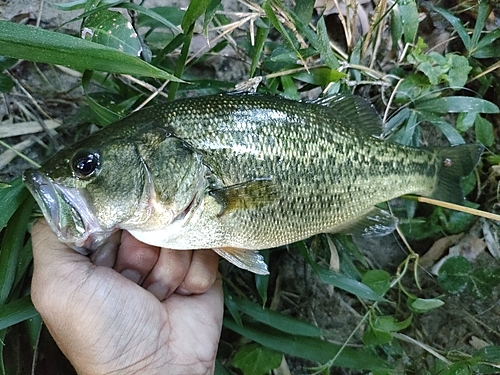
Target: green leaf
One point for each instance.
(465, 120)
(271, 15)
(339, 280)
(11, 198)
(374, 336)
(319, 76)
(16, 312)
(457, 25)
(12, 244)
(396, 26)
(6, 83)
(260, 40)
(255, 359)
(311, 348)
(324, 49)
(262, 281)
(484, 131)
(454, 274)
(112, 29)
(482, 282)
(457, 104)
(378, 280)
(195, 9)
(458, 368)
(446, 128)
(35, 44)
(409, 19)
(389, 323)
(210, 14)
(489, 354)
(421, 305)
(276, 320)
(304, 10)
(458, 73)
(78, 4)
(157, 17)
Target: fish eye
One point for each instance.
(85, 163)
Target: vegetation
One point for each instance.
(431, 73)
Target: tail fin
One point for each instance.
(456, 163)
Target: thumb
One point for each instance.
(58, 269)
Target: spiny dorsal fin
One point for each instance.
(249, 260)
(246, 195)
(354, 110)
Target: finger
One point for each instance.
(106, 255)
(168, 273)
(201, 274)
(135, 259)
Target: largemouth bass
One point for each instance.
(237, 173)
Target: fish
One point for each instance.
(240, 172)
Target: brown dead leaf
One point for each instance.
(438, 249)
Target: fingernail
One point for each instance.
(183, 292)
(132, 275)
(159, 290)
(105, 256)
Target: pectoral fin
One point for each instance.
(251, 194)
(249, 260)
(376, 223)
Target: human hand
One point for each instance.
(106, 323)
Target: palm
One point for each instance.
(106, 323)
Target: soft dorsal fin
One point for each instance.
(249, 260)
(354, 110)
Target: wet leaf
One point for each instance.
(112, 29)
(255, 359)
(457, 104)
(454, 274)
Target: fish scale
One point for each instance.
(239, 172)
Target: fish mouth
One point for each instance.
(67, 211)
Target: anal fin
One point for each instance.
(249, 260)
(376, 223)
